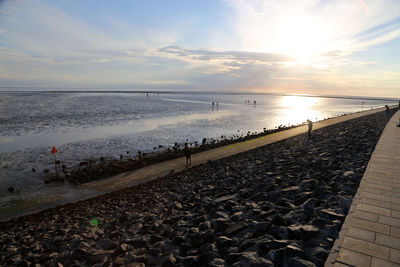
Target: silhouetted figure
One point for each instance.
(387, 113)
(217, 104)
(310, 125)
(204, 142)
(187, 154)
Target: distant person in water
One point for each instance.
(398, 125)
(187, 154)
(387, 112)
(310, 125)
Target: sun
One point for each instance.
(299, 35)
(303, 37)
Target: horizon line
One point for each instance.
(171, 91)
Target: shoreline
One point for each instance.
(205, 201)
(89, 192)
(95, 170)
(92, 169)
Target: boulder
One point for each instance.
(106, 244)
(234, 228)
(331, 214)
(250, 259)
(275, 195)
(168, 261)
(224, 198)
(296, 262)
(217, 262)
(137, 243)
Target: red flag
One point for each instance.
(54, 150)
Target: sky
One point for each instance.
(335, 47)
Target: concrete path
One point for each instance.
(370, 235)
(151, 172)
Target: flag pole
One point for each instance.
(55, 165)
(54, 151)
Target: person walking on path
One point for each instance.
(310, 125)
(387, 113)
(187, 154)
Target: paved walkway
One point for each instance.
(370, 235)
(151, 172)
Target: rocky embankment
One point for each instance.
(91, 169)
(282, 205)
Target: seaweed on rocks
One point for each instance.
(278, 205)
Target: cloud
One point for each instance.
(101, 60)
(46, 44)
(382, 38)
(8, 7)
(230, 63)
(46, 30)
(228, 55)
(308, 27)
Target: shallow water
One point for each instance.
(92, 125)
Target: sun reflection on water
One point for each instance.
(297, 109)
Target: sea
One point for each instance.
(88, 125)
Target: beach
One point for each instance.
(283, 203)
(87, 127)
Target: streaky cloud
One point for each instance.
(233, 55)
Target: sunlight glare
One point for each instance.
(297, 109)
(304, 37)
(298, 102)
